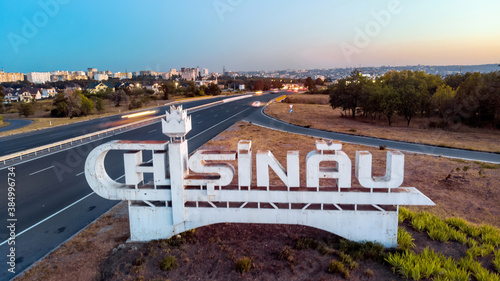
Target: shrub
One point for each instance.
(287, 254)
(405, 240)
(366, 250)
(243, 265)
(489, 166)
(168, 263)
(496, 261)
(26, 109)
(336, 266)
(306, 243)
(348, 261)
(404, 214)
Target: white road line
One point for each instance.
(152, 131)
(41, 170)
(49, 217)
(218, 124)
(80, 173)
(62, 210)
(76, 202)
(200, 122)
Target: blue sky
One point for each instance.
(158, 35)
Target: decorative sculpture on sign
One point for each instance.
(177, 200)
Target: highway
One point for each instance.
(20, 142)
(53, 199)
(259, 118)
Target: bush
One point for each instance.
(338, 267)
(26, 109)
(168, 263)
(287, 254)
(243, 265)
(405, 240)
(134, 104)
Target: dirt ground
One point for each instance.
(100, 252)
(457, 136)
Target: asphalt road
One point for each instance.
(259, 118)
(20, 142)
(15, 124)
(53, 199)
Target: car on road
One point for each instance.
(256, 104)
(258, 93)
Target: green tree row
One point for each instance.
(472, 98)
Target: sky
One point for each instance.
(244, 35)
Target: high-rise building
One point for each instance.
(38, 77)
(100, 76)
(91, 72)
(11, 77)
(189, 73)
(204, 72)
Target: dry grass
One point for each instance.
(42, 120)
(475, 194)
(418, 132)
(80, 258)
(467, 194)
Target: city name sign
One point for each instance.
(189, 192)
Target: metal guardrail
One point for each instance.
(96, 135)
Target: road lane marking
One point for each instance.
(200, 122)
(41, 170)
(218, 124)
(58, 212)
(152, 131)
(49, 217)
(80, 173)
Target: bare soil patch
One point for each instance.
(99, 252)
(307, 109)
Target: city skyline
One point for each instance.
(241, 35)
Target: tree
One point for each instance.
(119, 97)
(191, 89)
(168, 89)
(26, 109)
(2, 97)
(277, 84)
(86, 106)
(74, 102)
(258, 86)
(389, 102)
(213, 89)
(319, 81)
(442, 100)
(477, 101)
(410, 103)
(71, 104)
(60, 106)
(410, 89)
(350, 93)
(309, 83)
(135, 103)
(455, 80)
(99, 105)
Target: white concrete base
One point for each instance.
(359, 226)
